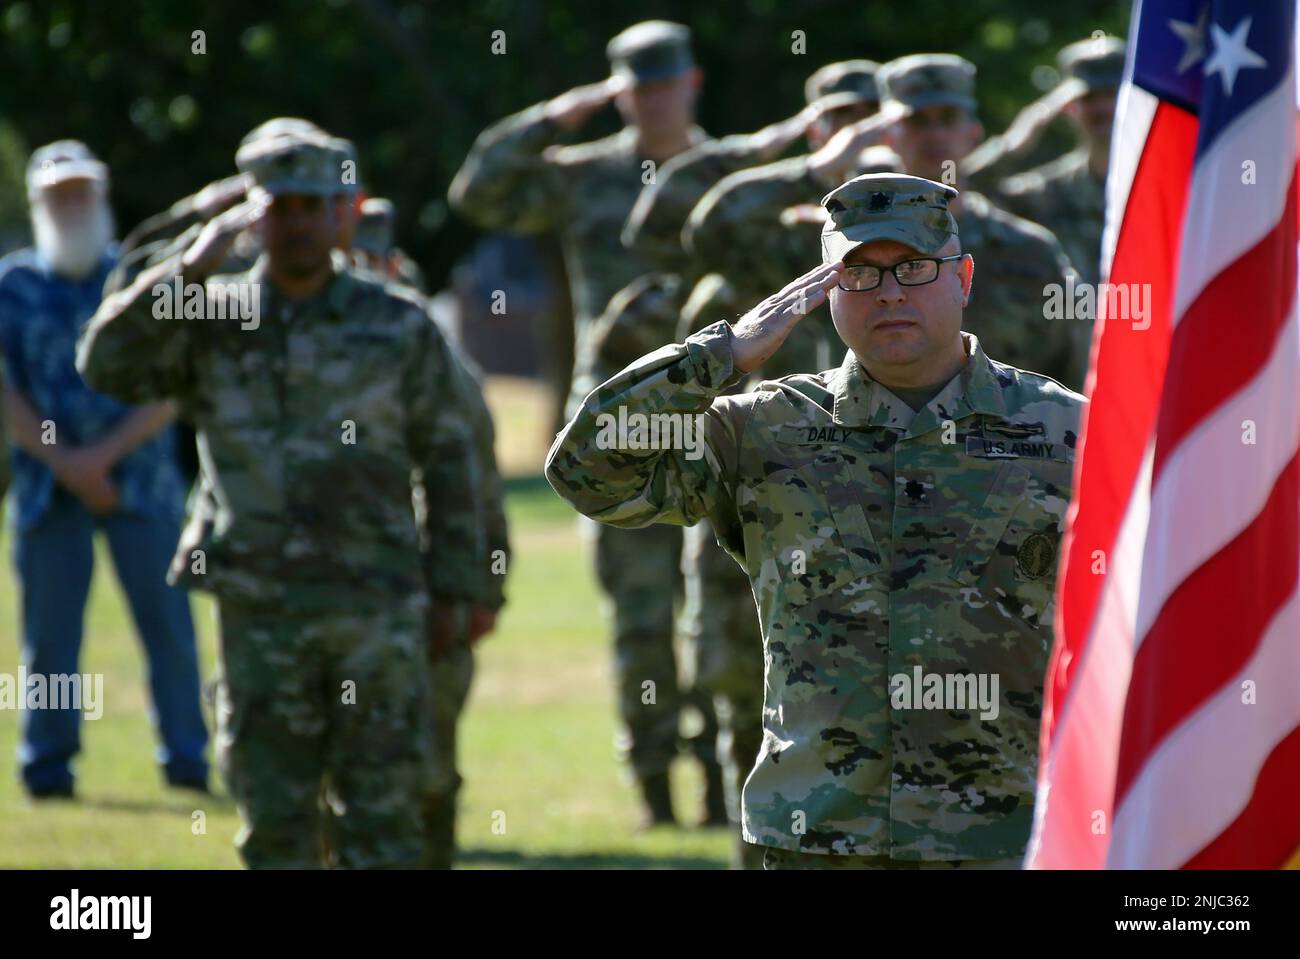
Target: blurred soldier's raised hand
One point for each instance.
(775, 137)
(1028, 126)
(220, 195)
(759, 333)
(837, 160)
(209, 248)
(573, 108)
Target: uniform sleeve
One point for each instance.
(993, 160)
(128, 354)
(597, 463)
(505, 182)
(1071, 364)
(726, 230)
(654, 227)
(641, 317)
(496, 561)
(444, 454)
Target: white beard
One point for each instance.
(73, 249)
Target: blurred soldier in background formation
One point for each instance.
(517, 179)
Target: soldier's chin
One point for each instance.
(300, 264)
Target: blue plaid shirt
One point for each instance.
(41, 316)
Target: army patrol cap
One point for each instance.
(282, 126)
(843, 84)
(296, 164)
(651, 50)
(928, 79)
(61, 161)
(887, 206)
(375, 229)
(1096, 64)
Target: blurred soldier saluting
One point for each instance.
(82, 462)
(373, 248)
(935, 93)
(1068, 195)
(516, 179)
(316, 424)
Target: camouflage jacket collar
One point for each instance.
(861, 401)
(627, 141)
(335, 294)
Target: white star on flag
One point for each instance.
(1231, 54)
(1193, 37)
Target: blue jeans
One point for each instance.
(53, 561)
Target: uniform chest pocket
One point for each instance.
(811, 521)
(1014, 541)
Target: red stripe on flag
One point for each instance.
(1211, 626)
(1129, 367)
(1228, 333)
(1268, 830)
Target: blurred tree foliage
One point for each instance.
(413, 82)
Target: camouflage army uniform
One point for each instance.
(639, 318)
(320, 562)
(1065, 195)
(374, 239)
(716, 624)
(517, 179)
(738, 227)
(913, 553)
(453, 673)
(877, 539)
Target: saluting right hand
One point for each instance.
(209, 248)
(571, 109)
(759, 333)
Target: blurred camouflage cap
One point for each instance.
(281, 126)
(375, 228)
(1096, 63)
(650, 50)
(887, 206)
(296, 164)
(843, 84)
(928, 79)
(61, 161)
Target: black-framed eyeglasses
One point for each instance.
(863, 277)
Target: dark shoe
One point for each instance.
(658, 799)
(190, 783)
(51, 792)
(715, 797)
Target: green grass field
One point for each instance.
(536, 742)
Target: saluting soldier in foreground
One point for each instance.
(899, 519)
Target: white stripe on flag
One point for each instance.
(1226, 217)
(1197, 782)
(1214, 484)
(1134, 112)
(1081, 763)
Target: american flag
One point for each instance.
(1171, 723)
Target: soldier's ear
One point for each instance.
(967, 278)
